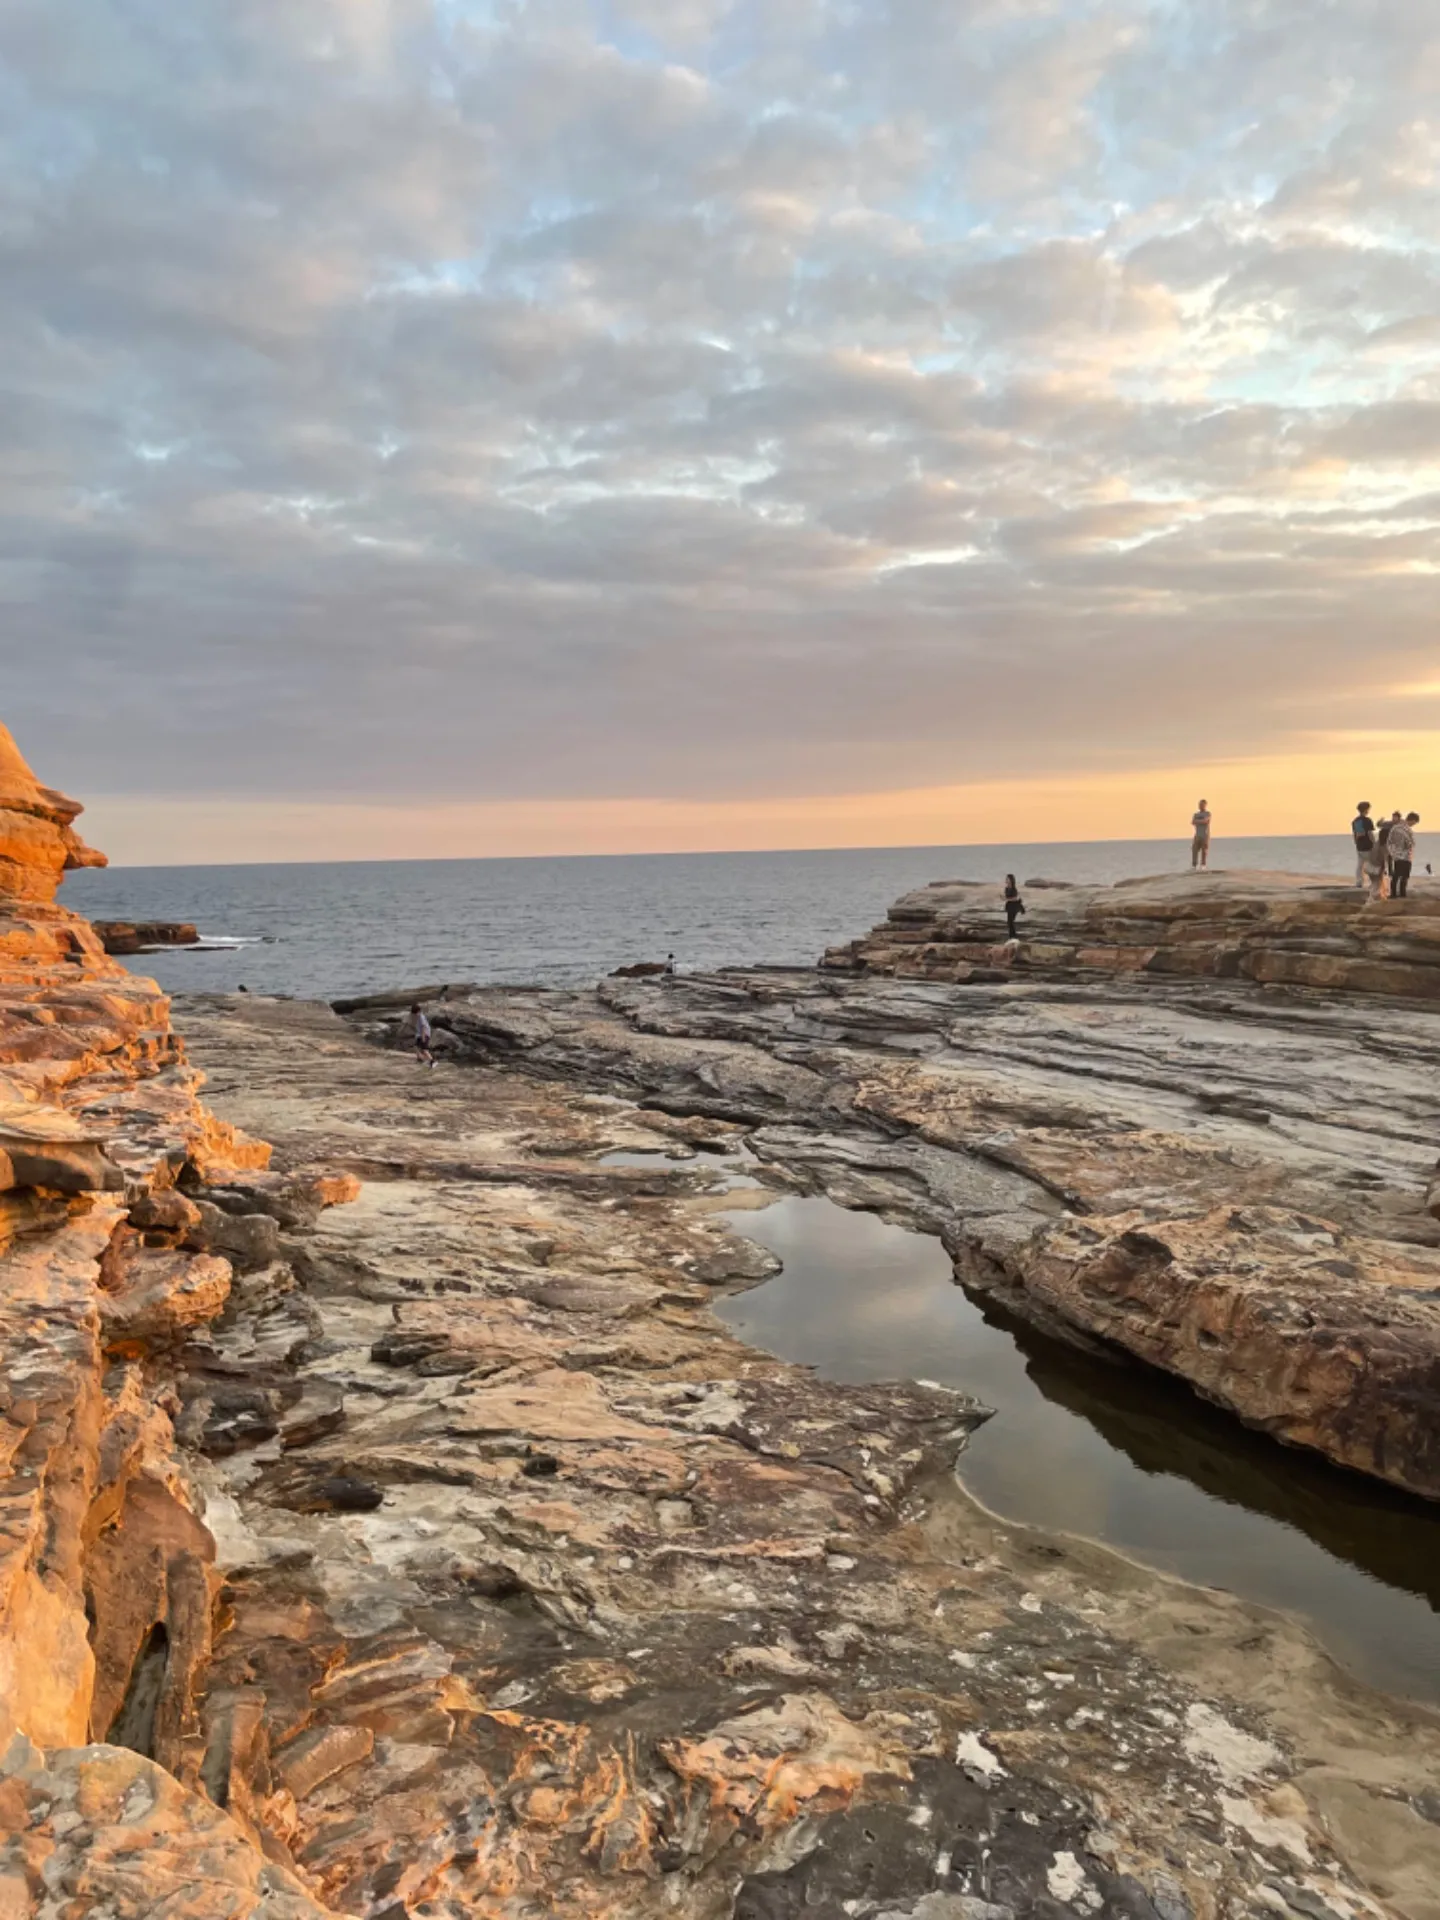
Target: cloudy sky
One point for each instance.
(456, 426)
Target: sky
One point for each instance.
(472, 427)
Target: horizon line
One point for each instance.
(699, 853)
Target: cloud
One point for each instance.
(437, 403)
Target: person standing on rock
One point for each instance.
(1376, 878)
(1401, 849)
(1362, 827)
(1200, 844)
(1014, 906)
(423, 1035)
(1387, 827)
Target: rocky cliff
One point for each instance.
(107, 1577)
(441, 1557)
(1281, 929)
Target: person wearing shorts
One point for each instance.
(423, 1036)
(1200, 844)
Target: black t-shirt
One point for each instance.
(1363, 828)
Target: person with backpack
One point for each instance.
(1362, 829)
(1014, 906)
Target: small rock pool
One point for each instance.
(1107, 1449)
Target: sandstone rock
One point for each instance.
(403, 997)
(96, 1830)
(645, 1619)
(124, 936)
(626, 1618)
(983, 1114)
(167, 1213)
(49, 1463)
(319, 1754)
(43, 1146)
(153, 1297)
(1275, 928)
(251, 1241)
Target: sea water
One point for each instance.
(321, 931)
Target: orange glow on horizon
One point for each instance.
(1308, 791)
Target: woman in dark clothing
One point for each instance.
(1014, 905)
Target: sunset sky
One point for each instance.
(454, 426)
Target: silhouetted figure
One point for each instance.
(1014, 905)
(1362, 827)
(1401, 849)
(1200, 841)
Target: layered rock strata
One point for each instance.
(1226, 1185)
(588, 1609)
(1280, 929)
(440, 1555)
(107, 1578)
(142, 936)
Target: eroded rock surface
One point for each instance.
(642, 1622)
(1278, 928)
(107, 1582)
(389, 1529)
(1231, 1185)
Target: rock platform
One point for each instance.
(1280, 929)
(388, 1528)
(1232, 1184)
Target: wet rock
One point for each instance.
(743, 1264)
(139, 936)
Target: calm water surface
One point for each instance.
(357, 926)
(1108, 1450)
(1077, 1445)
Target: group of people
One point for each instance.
(1384, 852)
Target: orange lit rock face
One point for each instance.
(106, 1591)
(37, 840)
(427, 1550)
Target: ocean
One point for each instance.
(1126, 1457)
(321, 931)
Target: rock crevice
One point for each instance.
(439, 1555)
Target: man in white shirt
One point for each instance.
(1400, 851)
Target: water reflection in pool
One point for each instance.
(1107, 1449)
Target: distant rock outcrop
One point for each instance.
(1278, 929)
(140, 936)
